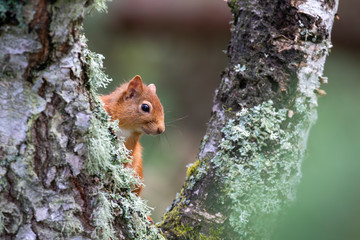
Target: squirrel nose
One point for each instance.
(160, 130)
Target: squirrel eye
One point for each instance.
(145, 108)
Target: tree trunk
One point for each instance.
(250, 158)
(60, 171)
(61, 175)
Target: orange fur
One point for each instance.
(124, 104)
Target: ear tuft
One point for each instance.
(135, 86)
(152, 87)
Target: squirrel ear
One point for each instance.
(135, 86)
(152, 87)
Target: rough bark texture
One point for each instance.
(52, 183)
(45, 114)
(250, 158)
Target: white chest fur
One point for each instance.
(124, 133)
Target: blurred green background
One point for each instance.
(178, 46)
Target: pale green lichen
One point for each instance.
(259, 161)
(97, 78)
(103, 217)
(71, 225)
(239, 68)
(100, 5)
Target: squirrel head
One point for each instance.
(137, 107)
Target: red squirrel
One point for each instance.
(138, 109)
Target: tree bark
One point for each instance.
(61, 175)
(60, 171)
(250, 158)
